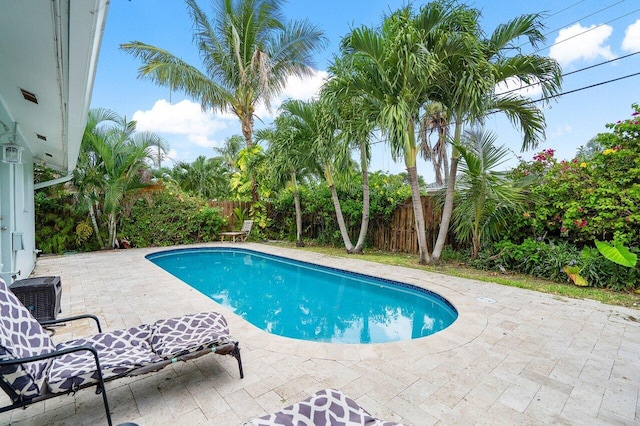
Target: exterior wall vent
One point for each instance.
(41, 137)
(31, 97)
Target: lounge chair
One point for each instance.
(242, 233)
(326, 407)
(33, 369)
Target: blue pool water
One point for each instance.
(304, 301)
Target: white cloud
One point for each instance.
(298, 88)
(582, 43)
(191, 132)
(561, 130)
(304, 88)
(514, 85)
(631, 40)
(183, 118)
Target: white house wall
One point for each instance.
(48, 48)
(17, 226)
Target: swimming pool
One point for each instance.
(305, 301)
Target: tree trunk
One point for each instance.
(94, 222)
(296, 202)
(112, 231)
(447, 210)
(246, 120)
(364, 226)
(340, 218)
(247, 131)
(418, 215)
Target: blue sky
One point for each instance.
(596, 30)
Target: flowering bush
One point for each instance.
(587, 198)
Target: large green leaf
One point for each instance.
(617, 253)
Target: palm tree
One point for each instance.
(466, 87)
(228, 153)
(290, 157)
(248, 53)
(356, 129)
(390, 76)
(434, 119)
(113, 159)
(485, 198)
(318, 122)
(87, 177)
(206, 178)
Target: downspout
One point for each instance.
(51, 182)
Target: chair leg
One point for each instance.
(236, 355)
(100, 386)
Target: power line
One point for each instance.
(583, 88)
(586, 31)
(573, 72)
(566, 8)
(584, 17)
(591, 86)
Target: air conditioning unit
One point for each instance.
(41, 295)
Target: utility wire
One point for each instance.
(586, 31)
(566, 8)
(549, 97)
(583, 88)
(580, 19)
(573, 72)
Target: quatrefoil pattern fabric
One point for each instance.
(190, 333)
(324, 408)
(22, 336)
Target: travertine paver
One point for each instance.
(512, 357)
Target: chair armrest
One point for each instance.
(77, 317)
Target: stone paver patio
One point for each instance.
(527, 359)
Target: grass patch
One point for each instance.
(459, 269)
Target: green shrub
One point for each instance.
(56, 222)
(169, 217)
(547, 259)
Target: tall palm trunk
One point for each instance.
(447, 210)
(246, 119)
(364, 226)
(94, 222)
(338, 209)
(418, 215)
(112, 231)
(340, 219)
(296, 202)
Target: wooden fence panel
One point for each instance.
(227, 210)
(397, 234)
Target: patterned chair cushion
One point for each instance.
(22, 336)
(190, 333)
(119, 352)
(326, 407)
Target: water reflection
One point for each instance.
(297, 301)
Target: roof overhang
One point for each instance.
(49, 52)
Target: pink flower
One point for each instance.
(635, 113)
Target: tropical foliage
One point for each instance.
(485, 198)
(587, 198)
(171, 217)
(112, 164)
